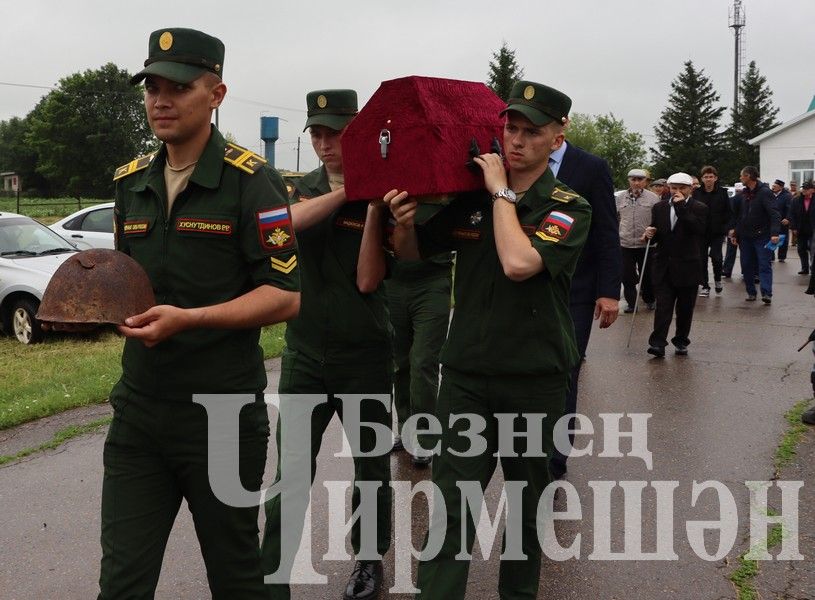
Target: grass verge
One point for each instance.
(744, 576)
(747, 570)
(60, 437)
(67, 371)
(789, 441)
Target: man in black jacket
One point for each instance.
(802, 216)
(595, 292)
(677, 228)
(719, 215)
(757, 222)
(783, 199)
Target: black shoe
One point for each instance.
(767, 299)
(782, 260)
(809, 291)
(803, 272)
(365, 581)
(629, 309)
(681, 350)
(719, 287)
(651, 305)
(808, 416)
(750, 298)
(727, 276)
(657, 351)
(422, 461)
(397, 444)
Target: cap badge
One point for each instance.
(165, 42)
(217, 68)
(322, 102)
(529, 92)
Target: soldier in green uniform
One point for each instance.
(419, 308)
(209, 222)
(511, 343)
(340, 342)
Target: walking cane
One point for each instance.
(639, 287)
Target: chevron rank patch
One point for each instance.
(243, 159)
(274, 228)
(562, 195)
(555, 227)
(284, 266)
(134, 165)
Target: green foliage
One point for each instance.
(688, 134)
(80, 132)
(755, 115)
(504, 72)
(18, 156)
(607, 137)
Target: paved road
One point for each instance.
(717, 415)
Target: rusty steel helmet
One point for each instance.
(96, 286)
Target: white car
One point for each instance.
(88, 228)
(30, 253)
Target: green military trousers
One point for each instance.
(443, 577)
(303, 375)
(419, 313)
(156, 454)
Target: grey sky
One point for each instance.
(609, 55)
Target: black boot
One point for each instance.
(811, 287)
(365, 581)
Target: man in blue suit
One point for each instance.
(596, 283)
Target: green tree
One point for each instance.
(18, 156)
(607, 137)
(90, 124)
(688, 134)
(504, 72)
(755, 115)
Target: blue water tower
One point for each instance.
(269, 133)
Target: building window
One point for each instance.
(802, 170)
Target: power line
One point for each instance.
(28, 85)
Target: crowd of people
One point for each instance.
(540, 252)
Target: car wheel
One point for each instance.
(25, 326)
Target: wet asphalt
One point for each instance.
(717, 415)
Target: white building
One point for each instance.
(788, 151)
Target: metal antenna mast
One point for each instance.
(737, 22)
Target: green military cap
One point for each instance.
(182, 55)
(332, 108)
(539, 103)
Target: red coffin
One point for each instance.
(431, 123)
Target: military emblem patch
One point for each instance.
(322, 101)
(284, 266)
(349, 223)
(555, 227)
(274, 228)
(529, 92)
(476, 218)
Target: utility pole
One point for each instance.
(737, 22)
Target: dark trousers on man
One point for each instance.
(672, 299)
(444, 577)
(804, 241)
(782, 249)
(755, 258)
(300, 374)
(729, 258)
(633, 259)
(712, 248)
(156, 455)
(419, 313)
(583, 317)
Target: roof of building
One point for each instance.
(783, 127)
